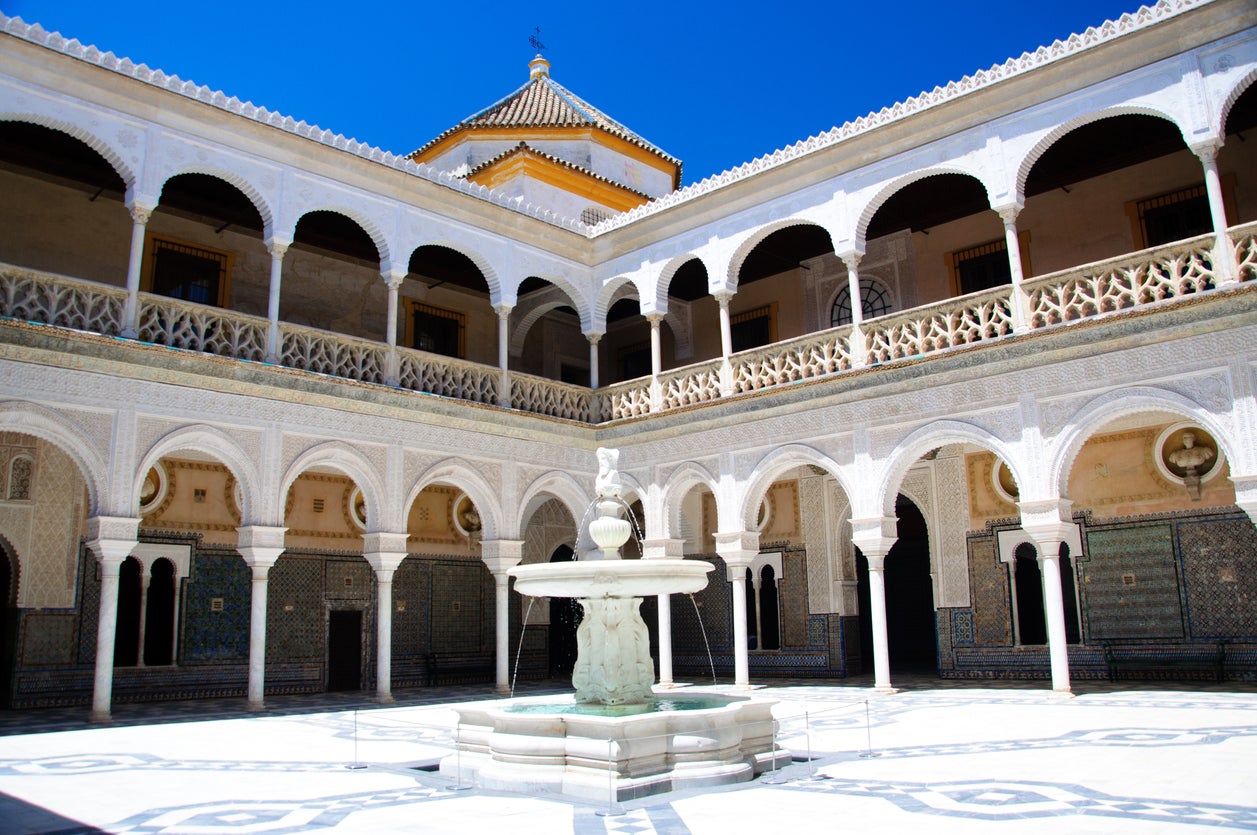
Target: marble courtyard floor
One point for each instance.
(939, 757)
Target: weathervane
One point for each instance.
(534, 40)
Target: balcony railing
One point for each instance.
(1150, 277)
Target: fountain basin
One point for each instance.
(611, 578)
(522, 747)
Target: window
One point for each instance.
(1171, 217)
(435, 329)
(20, 473)
(593, 215)
(754, 328)
(985, 266)
(634, 362)
(874, 301)
(181, 270)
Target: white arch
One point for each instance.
(1119, 403)
(211, 441)
(45, 424)
(557, 485)
(936, 434)
(757, 236)
(361, 218)
(241, 182)
(482, 263)
(1238, 89)
(773, 465)
(350, 461)
(1041, 147)
(682, 480)
(88, 137)
(459, 473)
(888, 190)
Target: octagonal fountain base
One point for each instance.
(543, 744)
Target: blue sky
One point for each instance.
(715, 84)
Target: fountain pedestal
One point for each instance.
(613, 736)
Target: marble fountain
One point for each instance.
(616, 736)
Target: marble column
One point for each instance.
(656, 362)
(260, 546)
(738, 549)
(504, 353)
(1224, 266)
(1048, 523)
(274, 348)
(111, 539)
(385, 552)
(501, 555)
(393, 279)
(594, 337)
(726, 343)
(131, 313)
(1020, 301)
(756, 583)
(858, 344)
(874, 537)
(659, 549)
(145, 579)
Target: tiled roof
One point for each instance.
(525, 148)
(544, 103)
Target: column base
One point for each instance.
(100, 717)
(884, 691)
(502, 691)
(255, 707)
(1063, 693)
(385, 698)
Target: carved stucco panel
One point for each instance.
(843, 589)
(818, 546)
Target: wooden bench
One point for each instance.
(1198, 657)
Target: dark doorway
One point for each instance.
(770, 618)
(344, 650)
(565, 616)
(911, 632)
(126, 648)
(8, 623)
(159, 623)
(1031, 621)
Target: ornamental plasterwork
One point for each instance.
(184, 155)
(816, 543)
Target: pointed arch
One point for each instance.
(364, 221)
(560, 486)
(682, 480)
(757, 236)
(491, 277)
(239, 181)
(1238, 89)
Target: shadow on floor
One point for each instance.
(22, 818)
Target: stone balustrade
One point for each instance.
(1153, 276)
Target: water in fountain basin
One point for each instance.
(660, 704)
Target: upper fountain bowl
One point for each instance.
(611, 578)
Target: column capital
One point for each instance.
(737, 548)
(260, 545)
(384, 551)
(141, 209)
(654, 318)
(661, 549)
(1008, 212)
(1048, 522)
(594, 337)
(1206, 151)
(501, 555)
(504, 309)
(850, 257)
(277, 246)
(874, 536)
(394, 276)
(722, 297)
(1246, 494)
(112, 538)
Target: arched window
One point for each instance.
(874, 301)
(21, 474)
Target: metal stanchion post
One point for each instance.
(774, 777)
(355, 764)
(458, 761)
(868, 734)
(613, 809)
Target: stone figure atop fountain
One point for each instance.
(607, 485)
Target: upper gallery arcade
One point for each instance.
(287, 378)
